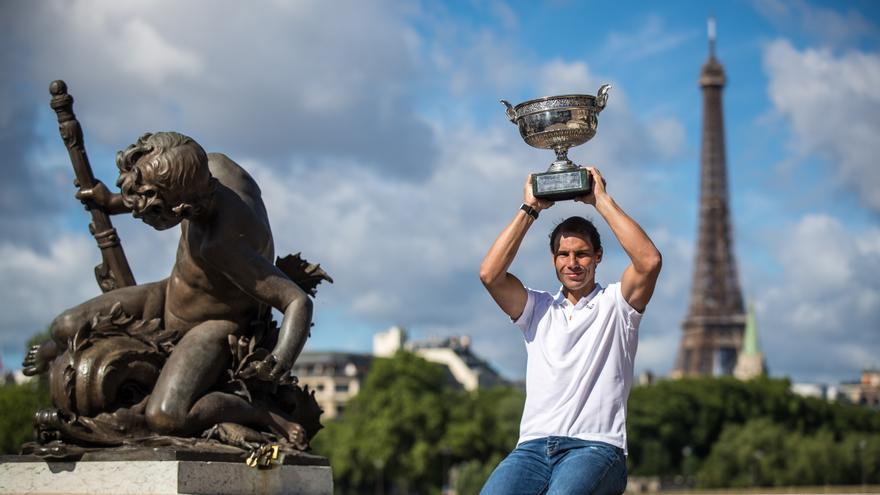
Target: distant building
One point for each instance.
(815, 390)
(386, 343)
(865, 392)
(335, 377)
(12, 377)
(469, 371)
(646, 378)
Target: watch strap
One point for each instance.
(529, 211)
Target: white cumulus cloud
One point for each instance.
(824, 303)
(38, 285)
(145, 54)
(833, 104)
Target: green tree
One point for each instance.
(407, 428)
(18, 403)
(393, 429)
(675, 419)
(764, 453)
(745, 455)
(486, 422)
(735, 433)
(483, 428)
(862, 457)
(469, 477)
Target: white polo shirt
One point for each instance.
(580, 365)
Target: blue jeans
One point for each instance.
(559, 465)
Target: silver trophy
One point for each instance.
(558, 123)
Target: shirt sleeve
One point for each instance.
(631, 316)
(524, 322)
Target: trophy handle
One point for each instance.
(602, 97)
(511, 114)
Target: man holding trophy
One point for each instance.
(581, 342)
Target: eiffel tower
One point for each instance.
(712, 332)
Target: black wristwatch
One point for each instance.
(529, 211)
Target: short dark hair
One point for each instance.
(575, 225)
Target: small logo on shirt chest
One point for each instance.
(587, 307)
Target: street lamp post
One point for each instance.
(685, 463)
(379, 464)
(757, 455)
(445, 451)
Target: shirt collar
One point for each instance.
(560, 299)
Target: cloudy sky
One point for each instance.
(375, 132)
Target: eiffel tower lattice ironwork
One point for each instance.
(712, 332)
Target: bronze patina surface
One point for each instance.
(193, 361)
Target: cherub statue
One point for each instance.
(222, 364)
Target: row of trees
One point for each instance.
(723, 432)
(408, 430)
(763, 453)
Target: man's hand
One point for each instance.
(598, 188)
(530, 199)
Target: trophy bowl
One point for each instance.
(559, 123)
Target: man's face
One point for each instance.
(155, 212)
(576, 262)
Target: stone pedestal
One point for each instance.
(162, 472)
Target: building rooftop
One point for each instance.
(332, 363)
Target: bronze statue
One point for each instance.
(196, 353)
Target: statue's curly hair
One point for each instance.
(175, 164)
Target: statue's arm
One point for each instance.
(262, 280)
(100, 196)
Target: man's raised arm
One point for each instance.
(507, 290)
(640, 277)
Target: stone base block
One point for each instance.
(131, 477)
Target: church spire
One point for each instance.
(750, 339)
(750, 362)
